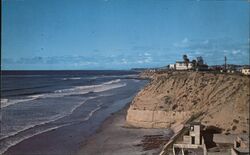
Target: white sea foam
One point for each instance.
(21, 129)
(92, 77)
(48, 120)
(89, 86)
(72, 78)
(135, 80)
(8, 102)
(52, 118)
(78, 90)
(121, 76)
(86, 89)
(112, 81)
(4, 101)
(9, 143)
(78, 78)
(91, 113)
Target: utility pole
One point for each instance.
(225, 67)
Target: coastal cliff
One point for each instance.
(172, 98)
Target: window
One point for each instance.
(192, 140)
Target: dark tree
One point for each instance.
(184, 57)
(194, 62)
(200, 61)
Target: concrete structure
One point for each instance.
(233, 144)
(224, 139)
(241, 141)
(193, 140)
(241, 145)
(193, 143)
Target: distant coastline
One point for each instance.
(70, 72)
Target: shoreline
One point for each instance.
(68, 139)
(65, 140)
(114, 136)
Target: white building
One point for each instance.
(181, 65)
(245, 71)
(172, 66)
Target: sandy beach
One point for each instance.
(115, 137)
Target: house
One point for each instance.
(172, 66)
(232, 68)
(245, 70)
(181, 65)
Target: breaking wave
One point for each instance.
(78, 90)
(12, 139)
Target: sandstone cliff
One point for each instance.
(173, 97)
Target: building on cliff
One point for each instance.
(245, 70)
(197, 65)
(181, 65)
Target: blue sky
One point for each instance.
(122, 34)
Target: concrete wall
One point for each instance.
(186, 139)
(196, 133)
(219, 153)
(221, 138)
(154, 119)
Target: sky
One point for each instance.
(121, 34)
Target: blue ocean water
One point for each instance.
(35, 102)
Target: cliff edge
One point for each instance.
(172, 98)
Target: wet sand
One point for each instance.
(114, 137)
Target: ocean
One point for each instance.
(53, 112)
